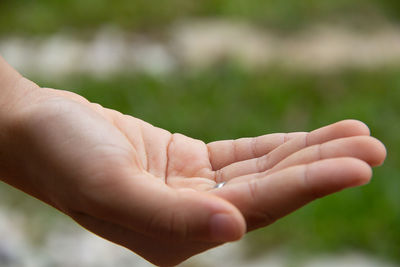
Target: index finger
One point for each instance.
(266, 199)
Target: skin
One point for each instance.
(152, 191)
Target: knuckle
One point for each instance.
(219, 176)
(309, 188)
(253, 188)
(262, 163)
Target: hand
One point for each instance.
(153, 192)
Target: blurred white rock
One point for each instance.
(201, 44)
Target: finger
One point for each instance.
(264, 200)
(146, 205)
(365, 148)
(223, 153)
(337, 130)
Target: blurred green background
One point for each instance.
(228, 101)
(46, 16)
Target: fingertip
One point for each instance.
(380, 154)
(225, 227)
(333, 175)
(354, 127)
(227, 224)
(219, 221)
(369, 149)
(358, 171)
(341, 129)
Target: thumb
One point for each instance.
(152, 208)
(204, 216)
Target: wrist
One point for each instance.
(13, 87)
(13, 91)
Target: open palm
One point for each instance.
(154, 192)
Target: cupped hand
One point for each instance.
(154, 192)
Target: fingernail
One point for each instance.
(223, 227)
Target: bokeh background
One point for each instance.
(220, 69)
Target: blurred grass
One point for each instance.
(227, 102)
(46, 16)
